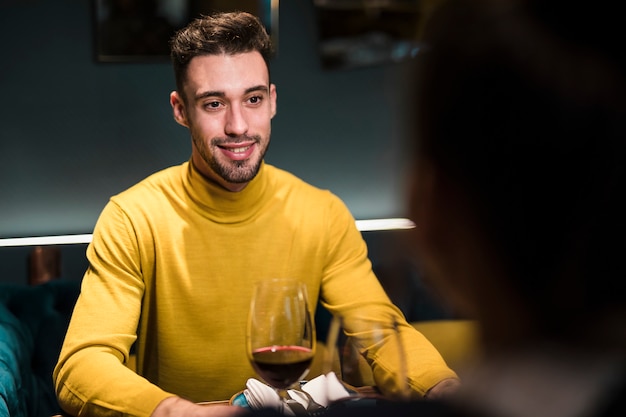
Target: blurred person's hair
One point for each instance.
(523, 103)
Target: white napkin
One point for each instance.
(258, 395)
(324, 390)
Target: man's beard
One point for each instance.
(234, 172)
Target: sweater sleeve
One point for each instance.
(104, 327)
(350, 289)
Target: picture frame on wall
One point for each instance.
(140, 30)
(362, 33)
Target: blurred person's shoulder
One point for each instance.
(615, 406)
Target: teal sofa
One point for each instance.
(33, 322)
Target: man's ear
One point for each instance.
(178, 109)
(273, 100)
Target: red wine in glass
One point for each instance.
(282, 366)
(280, 333)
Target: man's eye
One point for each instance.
(212, 104)
(255, 100)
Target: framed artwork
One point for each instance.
(360, 33)
(139, 30)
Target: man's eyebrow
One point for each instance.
(205, 94)
(260, 87)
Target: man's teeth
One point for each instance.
(240, 150)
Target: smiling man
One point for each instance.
(174, 258)
(228, 111)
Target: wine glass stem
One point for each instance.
(297, 408)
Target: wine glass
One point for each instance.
(280, 333)
(351, 336)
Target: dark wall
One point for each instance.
(14, 263)
(74, 131)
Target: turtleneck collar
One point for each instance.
(221, 205)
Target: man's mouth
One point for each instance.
(237, 152)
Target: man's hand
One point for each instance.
(176, 407)
(443, 389)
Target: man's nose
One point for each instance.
(235, 121)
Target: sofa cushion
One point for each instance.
(35, 318)
(13, 359)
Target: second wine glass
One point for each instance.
(354, 335)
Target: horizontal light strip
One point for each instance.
(362, 225)
(46, 240)
(384, 224)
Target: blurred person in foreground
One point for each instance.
(174, 258)
(520, 163)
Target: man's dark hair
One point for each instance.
(220, 33)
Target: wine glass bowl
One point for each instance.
(280, 333)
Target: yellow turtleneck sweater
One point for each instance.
(171, 267)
